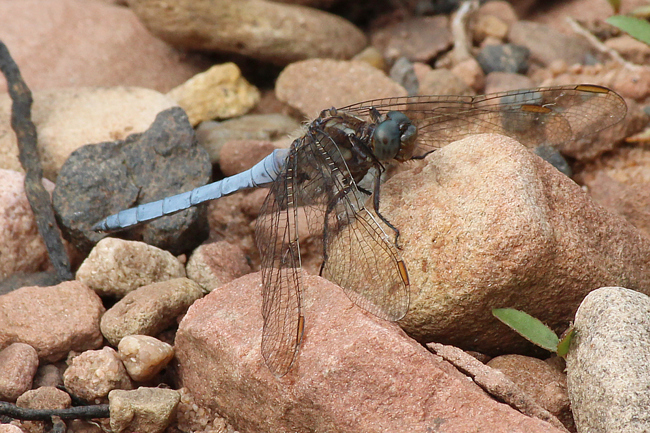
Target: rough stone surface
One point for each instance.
(251, 28)
(10, 428)
(215, 264)
(220, 92)
(504, 81)
(101, 179)
(149, 309)
(21, 246)
(504, 58)
(88, 44)
(349, 376)
(443, 82)
(18, 365)
(116, 267)
(544, 49)
(608, 365)
(48, 375)
(620, 182)
(240, 155)
(484, 223)
(68, 319)
(94, 373)
(45, 397)
(144, 356)
(541, 381)
(144, 410)
(418, 39)
(318, 84)
(260, 127)
(67, 119)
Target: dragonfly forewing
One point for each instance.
(542, 116)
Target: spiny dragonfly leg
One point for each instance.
(375, 205)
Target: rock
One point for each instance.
(240, 155)
(68, 319)
(144, 356)
(48, 375)
(547, 45)
(102, 179)
(251, 29)
(620, 182)
(403, 73)
(260, 127)
(192, 417)
(318, 84)
(150, 309)
(89, 44)
(484, 223)
(471, 73)
(215, 264)
(544, 383)
(10, 428)
(504, 81)
(500, 9)
(94, 373)
(45, 397)
(443, 82)
(504, 58)
(21, 246)
(418, 39)
(67, 119)
(607, 364)
(350, 364)
(630, 49)
(220, 92)
(144, 410)
(18, 364)
(116, 267)
(489, 26)
(373, 57)
(18, 280)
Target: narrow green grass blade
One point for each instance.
(635, 27)
(528, 327)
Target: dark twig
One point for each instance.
(39, 198)
(77, 412)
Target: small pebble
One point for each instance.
(18, 364)
(144, 410)
(144, 356)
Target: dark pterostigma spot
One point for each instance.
(38, 197)
(98, 180)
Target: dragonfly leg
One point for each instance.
(375, 205)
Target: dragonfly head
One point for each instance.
(394, 137)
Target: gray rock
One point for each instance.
(608, 365)
(101, 179)
(504, 58)
(144, 410)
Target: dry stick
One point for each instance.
(39, 198)
(77, 412)
(460, 31)
(598, 45)
(495, 383)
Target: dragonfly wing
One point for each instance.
(358, 255)
(543, 116)
(277, 240)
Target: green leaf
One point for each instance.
(616, 5)
(635, 27)
(565, 343)
(528, 327)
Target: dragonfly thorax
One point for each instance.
(394, 137)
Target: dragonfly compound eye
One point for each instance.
(391, 134)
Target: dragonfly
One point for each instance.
(329, 174)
